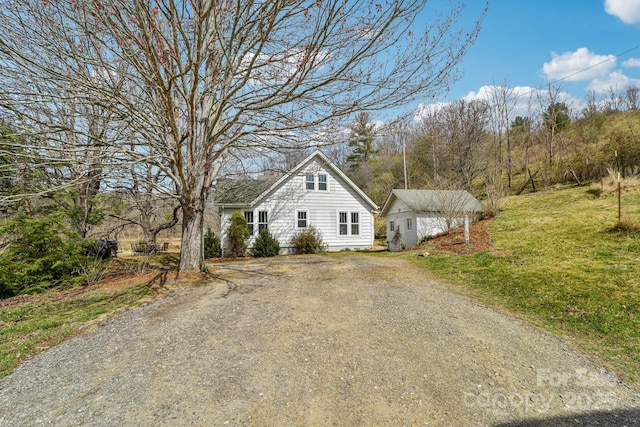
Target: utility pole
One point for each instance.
(404, 161)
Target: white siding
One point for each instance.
(322, 207)
(424, 224)
(398, 213)
(430, 225)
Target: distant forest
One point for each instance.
(484, 147)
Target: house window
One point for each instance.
(321, 179)
(343, 225)
(409, 223)
(310, 181)
(392, 226)
(248, 215)
(263, 220)
(322, 182)
(302, 218)
(348, 223)
(355, 223)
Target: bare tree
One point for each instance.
(204, 78)
(614, 102)
(463, 129)
(503, 103)
(592, 104)
(66, 146)
(144, 205)
(450, 204)
(555, 119)
(632, 98)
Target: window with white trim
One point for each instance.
(355, 223)
(310, 181)
(343, 225)
(409, 223)
(319, 182)
(392, 226)
(348, 223)
(263, 220)
(322, 182)
(302, 219)
(248, 215)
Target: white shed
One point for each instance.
(414, 214)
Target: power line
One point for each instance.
(611, 58)
(541, 87)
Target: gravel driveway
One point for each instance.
(315, 340)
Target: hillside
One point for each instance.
(559, 259)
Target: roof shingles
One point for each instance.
(241, 191)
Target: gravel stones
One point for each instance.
(315, 340)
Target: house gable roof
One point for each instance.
(432, 200)
(250, 192)
(241, 191)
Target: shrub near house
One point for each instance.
(265, 245)
(308, 241)
(237, 235)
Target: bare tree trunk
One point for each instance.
(191, 244)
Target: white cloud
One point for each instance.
(616, 80)
(487, 93)
(631, 62)
(627, 10)
(526, 101)
(579, 65)
(424, 111)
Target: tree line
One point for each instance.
(506, 144)
(141, 106)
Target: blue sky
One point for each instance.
(533, 42)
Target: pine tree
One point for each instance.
(361, 141)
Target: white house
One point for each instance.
(315, 193)
(414, 214)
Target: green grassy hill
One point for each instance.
(560, 260)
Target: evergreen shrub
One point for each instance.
(265, 245)
(212, 247)
(237, 235)
(38, 256)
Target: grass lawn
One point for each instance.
(559, 261)
(30, 324)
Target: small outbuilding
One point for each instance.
(413, 215)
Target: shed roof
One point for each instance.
(434, 201)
